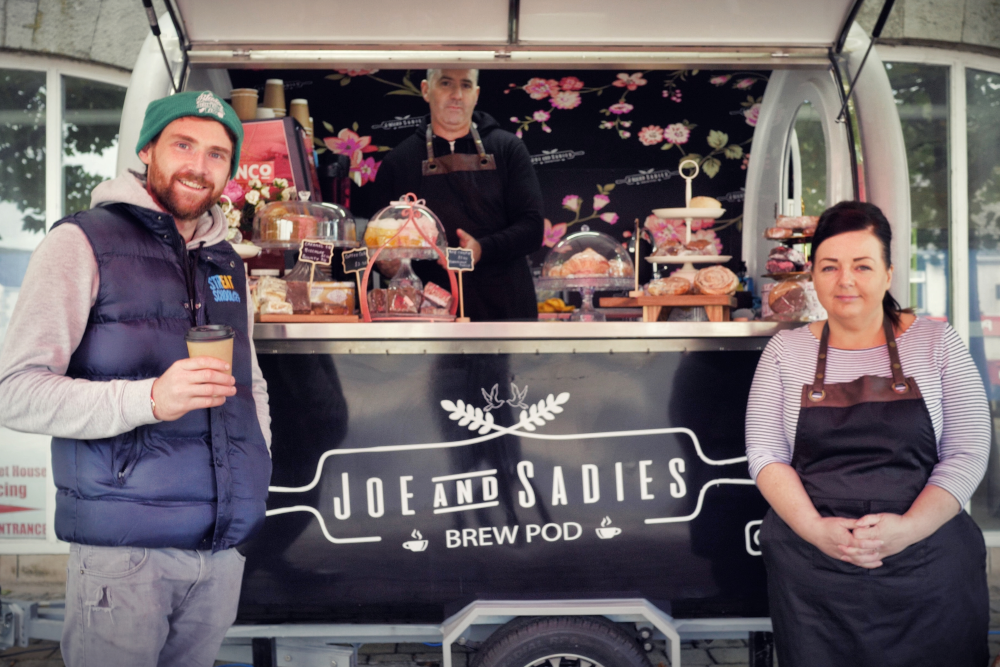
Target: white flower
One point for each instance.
(265, 192)
(255, 184)
(287, 194)
(253, 197)
(233, 217)
(280, 183)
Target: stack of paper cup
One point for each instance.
(299, 110)
(245, 103)
(274, 96)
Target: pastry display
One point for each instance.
(378, 301)
(716, 280)
(704, 202)
(779, 233)
(424, 232)
(788, 299)
(785, 260)
(588, 254)
(672, 286)
(586, 263)
(405, 300)
(285, 224)
(803, 224)
(696, 248)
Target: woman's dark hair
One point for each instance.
(854, 216)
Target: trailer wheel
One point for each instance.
(561, 641)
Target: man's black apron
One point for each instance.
(466, 192)
(862, 447)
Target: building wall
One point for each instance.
(109, 32)
(972, 25)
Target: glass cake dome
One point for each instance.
(391, 227)
(587, 254)
(284, 224)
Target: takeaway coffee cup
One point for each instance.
(213, 340)
(274, 94)
(299, 110)
(245, 103)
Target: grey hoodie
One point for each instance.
(49, 320)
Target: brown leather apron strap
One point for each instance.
(431, 165)
(817, 393)
(484, 160)
(899, 384)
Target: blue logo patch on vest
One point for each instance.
(222, 288)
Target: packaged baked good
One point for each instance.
(404, 300)
(378, 301)
(704, 202)
(271, 288)
(436, 296)
(785, 260)
(298, 296)
(672, 286)
(804, 224)
(787, 300)
(332, 298)
(274, 307)
(715, 280)
(778, 233)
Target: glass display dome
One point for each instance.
(588, 254)
(284, 224)
(392, 228)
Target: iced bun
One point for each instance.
(704, 202)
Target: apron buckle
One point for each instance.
(817, 396)
(901, 387)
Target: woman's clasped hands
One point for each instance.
(863, 542)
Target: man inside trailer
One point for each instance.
(479, 181)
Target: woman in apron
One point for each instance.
(867, 433)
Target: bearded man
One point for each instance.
(161, 461)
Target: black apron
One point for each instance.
(863, 447)
(466, 192)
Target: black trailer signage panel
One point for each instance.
(406, 486)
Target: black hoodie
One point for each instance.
(502, 210)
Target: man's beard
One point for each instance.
(162, 189)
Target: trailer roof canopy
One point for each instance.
(513, 32)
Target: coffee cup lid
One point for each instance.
(209, 332)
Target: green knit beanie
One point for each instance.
(202, 104)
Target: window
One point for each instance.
(47, 108)
(948, 103)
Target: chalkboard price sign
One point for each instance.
(316, 252)
(355, 261)
(459, 259)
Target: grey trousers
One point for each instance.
(135, 607)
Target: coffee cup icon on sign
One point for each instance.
(418, 543)
(607, 531)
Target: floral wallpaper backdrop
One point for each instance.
(606, 144)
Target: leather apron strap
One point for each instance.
(447, 164)
(899, 384)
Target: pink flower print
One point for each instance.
(600, 201)
(367, 170)
(746, 161)
(349, 143)
(743, 84)
(678, 133)
(541, 115)
(752, 114)
(553, 233)
(650, 135)
(623, 134)
(620, 108)
(610, 218)
(356, 72)
(539, 89)
(234, 192)
(606, 125)
(720, 80)
(546, 128)
(572, 202)
(676, 95)
(519, 134)
(631, 82)
(570, 83)
(567, 99)
(515, 119)
(626, 123)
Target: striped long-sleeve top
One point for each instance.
(931, 352)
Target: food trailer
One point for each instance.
(490, 484)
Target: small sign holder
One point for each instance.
(315, 252)
(460, 260)
(356, 262)
(637, 292)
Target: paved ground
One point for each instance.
(732, 653)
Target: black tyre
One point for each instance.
(561, 641)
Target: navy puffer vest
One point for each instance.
(196, 483)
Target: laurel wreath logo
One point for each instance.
(475, 419)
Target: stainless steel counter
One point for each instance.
(512, 337)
